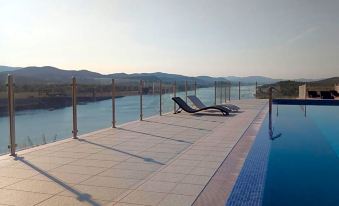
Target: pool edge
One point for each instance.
(218, 189)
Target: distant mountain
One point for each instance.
(6, 68)
(48, 74)
(210, 79)
(305, 80)
(329, 81)
(290, 88)
(253, 79)
(53, 75)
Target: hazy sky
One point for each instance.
(276, 38)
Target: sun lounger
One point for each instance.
(199, 104)
(184, 106)
(334, 93)
(313, 94)
(326, 95)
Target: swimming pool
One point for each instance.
(296, 162)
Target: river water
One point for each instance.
(36, 127)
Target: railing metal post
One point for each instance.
(270, 100)
(270, 112)
(174, 95)
(140, 92)
(74, 106)
(256, 89)
(305, 98)
(160, 97)
(11, 113)
(229, 92)
(186, 91)
(215, 92)
(225, 90)
(195, 88)
(221, 92)
(239, 90)
(113, 103)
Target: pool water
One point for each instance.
(301, 165)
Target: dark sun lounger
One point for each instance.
(182, 105)
(199, 104)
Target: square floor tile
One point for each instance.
(38, 186)
(144, 198)
(70, 201)
(157, 186)
(111, 182)
(97, 193)
(5, 181)
(21, 198)
(187, 189)
(196, 179)
(124, 173)
(182, 200)
(168, 177)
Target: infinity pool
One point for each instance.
(293, 162)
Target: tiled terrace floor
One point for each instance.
(164, 160)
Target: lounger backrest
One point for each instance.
(326, 95)
(182, 104)
(196, 101)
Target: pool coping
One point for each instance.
(218, 189)
(325, 102)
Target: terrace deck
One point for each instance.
(163, 160)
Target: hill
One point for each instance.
(329, 81)
(48, 75)
(6, 68)
(253, 79)
(287, 89)
(53, 75)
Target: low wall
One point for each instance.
(302, 91)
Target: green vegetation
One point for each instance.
(283, 89)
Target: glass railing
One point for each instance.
(151, 98)
(94, 105)
(167, 102)
(44, 113)
(226, 91)
(247, 91)
(4, 124)
(127, 101)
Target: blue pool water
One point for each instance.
(300, 166)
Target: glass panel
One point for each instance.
(247, 91)
(167, 102)
(181, 89)
(190, 92)
(151, 98)
(43, 113)
(127, 103)
(206, 95)
(4, 125)
(234, 91)
(94, 105)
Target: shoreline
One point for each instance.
(47, 103)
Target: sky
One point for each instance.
(274, 38)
